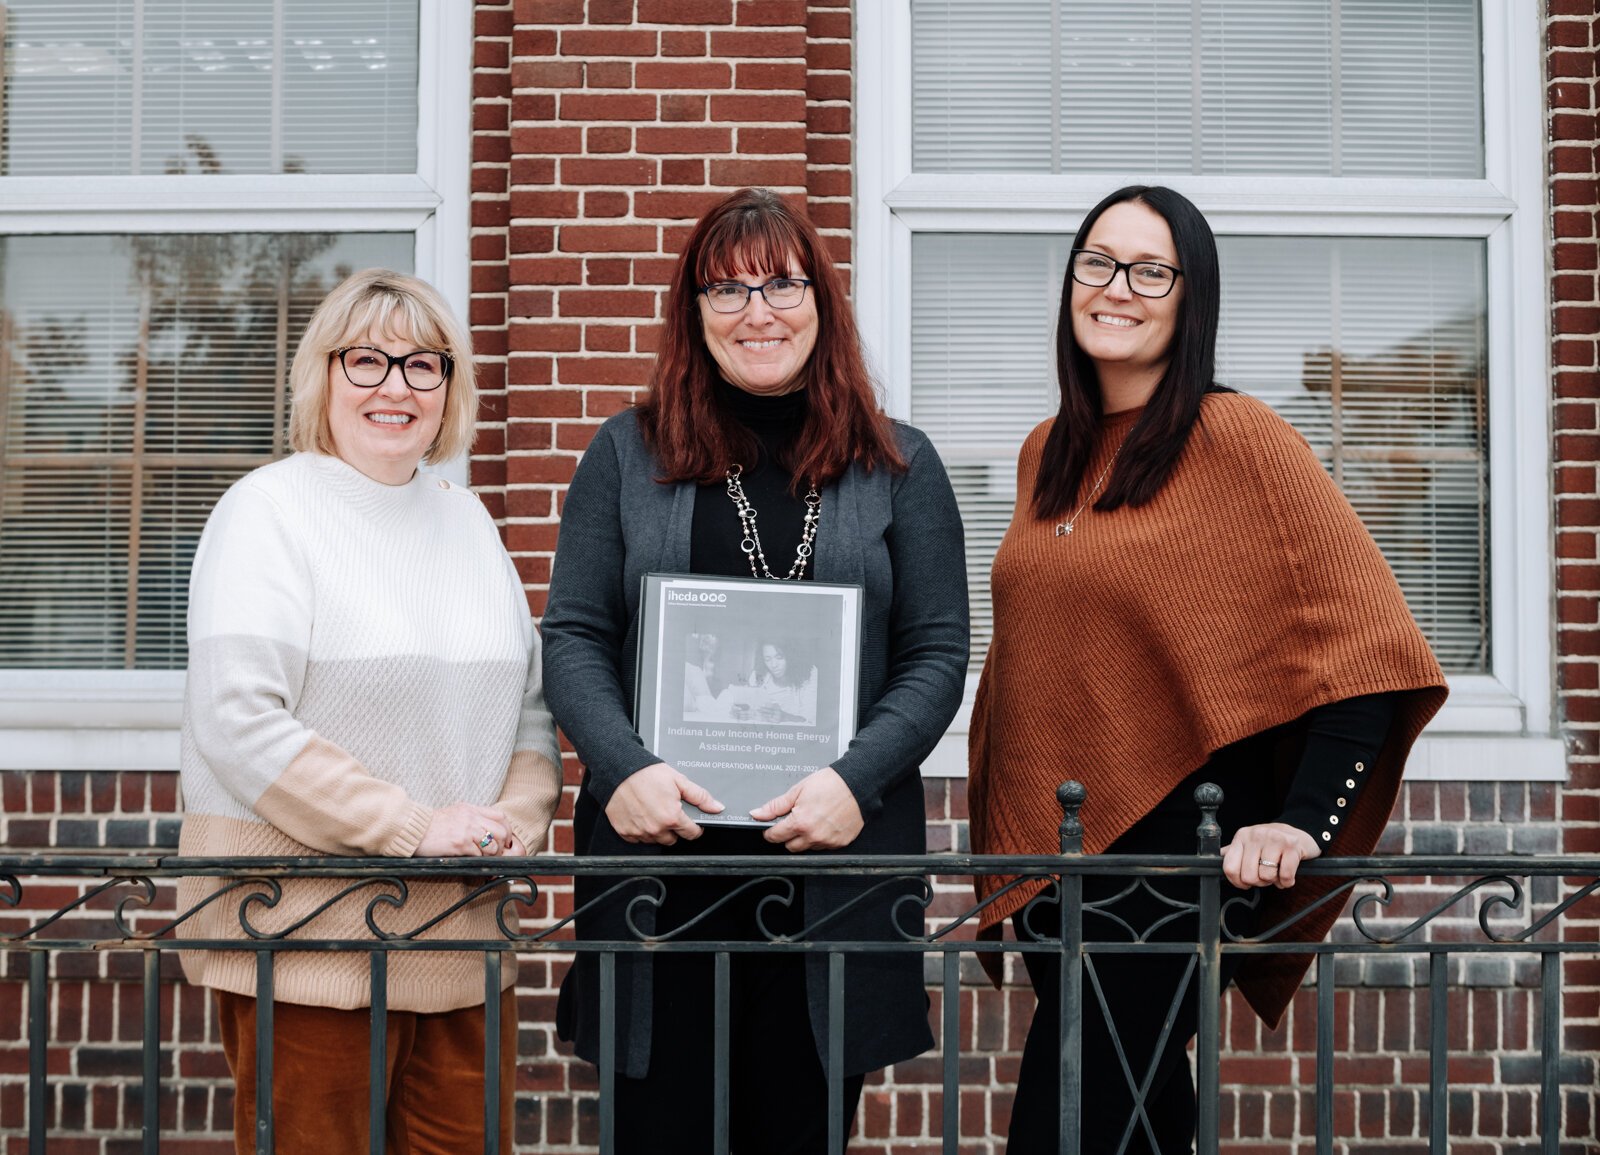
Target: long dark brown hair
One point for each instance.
(1157, 438)
(691, 433)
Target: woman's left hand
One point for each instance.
(818, 813)
(462, 830)
(1267, 855)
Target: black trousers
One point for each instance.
(1138, 991)
(778, 1092)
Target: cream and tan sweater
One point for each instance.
(1246, 593)
(359, 655)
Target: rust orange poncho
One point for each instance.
(1245, 594)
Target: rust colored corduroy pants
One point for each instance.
(319, 1068)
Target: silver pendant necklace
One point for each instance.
(752, 540)
(1064, 528)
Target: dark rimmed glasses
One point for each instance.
(732, 296)
(1146, 278)
(421, 369)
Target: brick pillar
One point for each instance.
(1572, 41)
(602, 130)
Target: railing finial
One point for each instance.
(1208, 796)
(1071, 795)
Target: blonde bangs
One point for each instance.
(397, 317)
(398, 308)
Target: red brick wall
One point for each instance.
(601, 128)
(1575, 301)
(1573, 40)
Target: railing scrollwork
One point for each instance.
(1185, 910)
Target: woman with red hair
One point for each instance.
(760, 410)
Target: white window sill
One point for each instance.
(113, 720)
(86, 749)
(90, 719)
(1477, 737)
(1435, 758)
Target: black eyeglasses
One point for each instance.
(421, 369)
(1147, 278)
(780, 293)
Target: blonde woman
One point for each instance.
(363, 680)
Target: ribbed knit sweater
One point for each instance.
(1246, 593)
(359, 655)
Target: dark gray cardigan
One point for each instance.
(896, 534)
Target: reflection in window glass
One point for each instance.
(151, 87)
(1374, 349)
(139, 377)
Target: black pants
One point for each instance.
(778, 1092)
(1138, 991)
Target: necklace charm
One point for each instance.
(751, 543)
(1064, 528)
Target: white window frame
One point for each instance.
(1500, 726)
(129, 719)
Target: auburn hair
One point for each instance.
(694, 437)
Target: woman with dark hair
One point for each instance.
(759, 406)
(788, 685)
(1205, 606)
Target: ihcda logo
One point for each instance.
(702, 596)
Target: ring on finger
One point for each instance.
(488, 837)
(1265, 862)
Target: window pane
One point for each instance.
(139, 376)
(1287, 87)
(1374, 349)
(982, 79)
(983, 312)
(146, 87)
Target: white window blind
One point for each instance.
(150, 87)
(982, 314)
(139, 376)
(1375, 350)
(1368, 88)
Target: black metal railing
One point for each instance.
(113, 910)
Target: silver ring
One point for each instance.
(488, 837)
(1264, 862)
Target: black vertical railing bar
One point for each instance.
(38, 1038)
(1438, 1052)
(264, 1035)
(150, 1044)
(1550, 1051)
(1071, 796)
(722, 1011)
(836, 1135)
(1325, 1005)
(951, 1003)
(492, 1042)
(378, 1053)
(608, 1052)
(1208, 1046)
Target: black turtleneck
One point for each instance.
(714, 549)
(780, 515)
